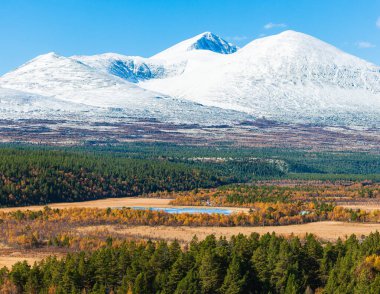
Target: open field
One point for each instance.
(113, 203)
(102, 203)
(159, 202)
(9, 257)
(361, 205)
(328, 230)
(9, 261)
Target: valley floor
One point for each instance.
(323, 230)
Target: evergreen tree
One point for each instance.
(291, 285)
(236, 279)
(210, 273)
(190, 284)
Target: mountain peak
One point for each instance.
(47, 56)
(205, 41)
(299, 46)
(291, 33)
(294, 36)
(289, 36)
(214, 43)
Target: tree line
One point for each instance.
(243, 264)
(40, 176)
(246, 195)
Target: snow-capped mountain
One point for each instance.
(206, 41)
(51, 85)
(71, 80)
(289, 77)
(168, 63)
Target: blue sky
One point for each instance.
(145, 27)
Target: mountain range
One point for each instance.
(290, 77)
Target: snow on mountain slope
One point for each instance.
(290, 76)
(205, 41)
(22, 101)
(169, 63)
(64, 83)
(131, 68)
(22, 105)
(71, 80)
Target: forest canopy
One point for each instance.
(41, 175)
(254, 264)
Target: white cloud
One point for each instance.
(272, 25)
(378, 22)
(365, 45)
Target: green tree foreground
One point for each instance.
(253, 264)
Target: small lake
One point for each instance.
(187, 210)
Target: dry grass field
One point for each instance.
(362, 205)
(9, 257)
(9, 261)
(101, 203)
(112, 202)
(328, 230)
